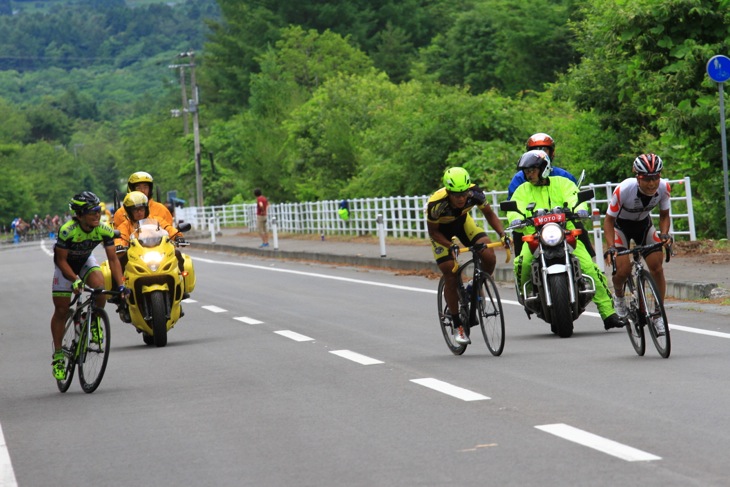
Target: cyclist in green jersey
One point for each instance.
(75, 266)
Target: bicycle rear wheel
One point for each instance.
(68, 345)
(94, 356)
(654, 311)
(447, 324)
(491, 317)
(635, 326)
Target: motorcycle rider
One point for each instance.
(629, 218)
(448, 215)
(548, 192)
(142, 181)
(75, 266)
(136, 208)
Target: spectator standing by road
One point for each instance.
(262, 208)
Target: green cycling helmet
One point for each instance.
(456, 180)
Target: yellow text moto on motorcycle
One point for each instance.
(158, 275)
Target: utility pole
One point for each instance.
(192, 108)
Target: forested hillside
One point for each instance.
(330, 99)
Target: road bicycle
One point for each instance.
(645, 302)
(479, 303)
(79, 348)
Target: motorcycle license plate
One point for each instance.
(551, 218)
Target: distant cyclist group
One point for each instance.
(539, 183)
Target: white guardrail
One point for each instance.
(402, 216)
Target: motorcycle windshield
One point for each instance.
(149, 233)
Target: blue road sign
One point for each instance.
(718, 68)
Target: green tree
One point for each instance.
(643, 72)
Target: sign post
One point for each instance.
(718, 69)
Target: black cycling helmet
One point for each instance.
(536, 158)
(84, 202)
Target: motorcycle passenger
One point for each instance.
(548, 192)
(75, 265)
(136, 208)
(142, 181)
(448, 215)
(629, 218)
(539, 141)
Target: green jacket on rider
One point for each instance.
(558, 191)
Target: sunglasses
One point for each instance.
(648, 177)
(95, 209)
(460, 193)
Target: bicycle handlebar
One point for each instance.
(635, 250)
(478, 247)
(94, 291)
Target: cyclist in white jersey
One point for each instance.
(628, 218)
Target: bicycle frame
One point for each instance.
(640, 312)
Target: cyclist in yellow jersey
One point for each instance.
(448, 215)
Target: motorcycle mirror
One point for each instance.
(508, 206)
(531, 207)
(117, 234)
(184, 227)
(585, 195)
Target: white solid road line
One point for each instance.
(599, 443)
(7, 475)
(356, 357)
(451, 390)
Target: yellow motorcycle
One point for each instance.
(155, 280)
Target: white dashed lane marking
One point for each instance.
(356, 357)
(596, 442)
(451, 390)
(294, 336)
(214, 309)
(247, 320)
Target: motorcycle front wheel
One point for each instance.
(561, 313)
(159, 318)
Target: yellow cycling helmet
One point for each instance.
(139, 177)
(136, 199)
(456, 180)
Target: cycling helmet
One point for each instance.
(541, 141)
(536, 158)
(456, 180)
(84, 202)
(136, 199)
(648, 165)
(139, 177)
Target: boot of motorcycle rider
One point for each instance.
(544, 190)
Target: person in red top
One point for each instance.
(262, 207)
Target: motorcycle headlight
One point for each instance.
(153, 260)
(552, 234)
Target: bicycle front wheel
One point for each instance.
(635, 325)
(491, 317)
(447, 324)
(68, 345)
(656, 317)
(95, 353)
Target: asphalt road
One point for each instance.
(284, 373)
